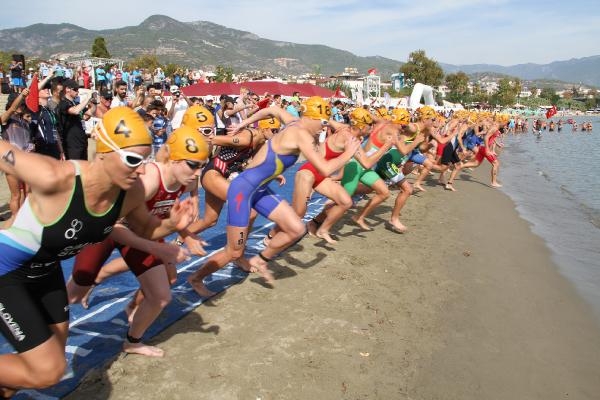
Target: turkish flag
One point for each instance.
(33, 99)
(551, 111)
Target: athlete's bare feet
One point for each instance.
(326, 237)
(200, 288)
(449, 187)
(496, 185)
(361, 222)
(85, 300)
(257, 265)
(397, 226)
(418, 188)
(142, 349)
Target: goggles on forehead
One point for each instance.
(129, 158)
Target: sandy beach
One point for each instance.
(467, 305)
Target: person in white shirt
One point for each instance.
(177, 106)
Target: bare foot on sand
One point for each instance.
(496, 185)
(257, 265)
(397, 227)
(253, 266)
(361, 222)
(326, 237)
(449, 187)
(142, 349)
(418, 188)
(200, 288)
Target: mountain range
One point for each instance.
(203, 44)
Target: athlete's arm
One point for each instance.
(325, 167)
(43, 174)
(241, 139)
(265, 113)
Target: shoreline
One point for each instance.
(467, 305)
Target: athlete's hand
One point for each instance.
(182, 214)
(281, 179)
(170, 253)
(352, 144)
(195, 245)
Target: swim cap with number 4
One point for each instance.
(316, 108)
(186, 143)
(198, 117)
(121, 127)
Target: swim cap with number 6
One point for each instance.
(186, 143)
(121, 127)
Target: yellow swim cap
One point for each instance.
(316, 108)
(198, 116)
(121, 127)
(359, 117)
(400, 116)
(269, 123)
(382, 111)
(186, 143)
(426, 112)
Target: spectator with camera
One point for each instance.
(16, 76)
(71, 111)
(177, 106)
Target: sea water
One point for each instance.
(554, 181)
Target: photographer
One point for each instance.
(16, 76)
(177, 106)
(71, 111)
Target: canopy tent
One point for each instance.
(258, 87)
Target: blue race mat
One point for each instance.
(96, 335)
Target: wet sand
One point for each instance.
(467, 305)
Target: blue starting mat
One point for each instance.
(96, 335)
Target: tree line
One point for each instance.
(420, 68)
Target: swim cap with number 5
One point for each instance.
(198, 116)
(121, 127)
(186, 143)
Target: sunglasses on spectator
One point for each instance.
(194, 165)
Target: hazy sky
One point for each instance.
(504, 32)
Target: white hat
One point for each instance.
(174, 88)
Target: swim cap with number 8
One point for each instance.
(186, 143)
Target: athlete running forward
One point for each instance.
(71, 205)
(250, 189)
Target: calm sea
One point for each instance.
(554, 181)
